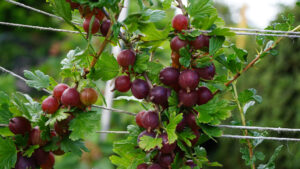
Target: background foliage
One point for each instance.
(276, 78)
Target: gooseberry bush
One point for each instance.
(183, 100)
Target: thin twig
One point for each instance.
(181, 6)
(3, 125)
(19, 77)
(249, 144)
(238, 74)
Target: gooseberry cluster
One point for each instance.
(182, 80)
(63, 97)
(87, 13)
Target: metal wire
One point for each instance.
(274, 32)
(43, 28)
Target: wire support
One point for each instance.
(260, 138)
(277, 129)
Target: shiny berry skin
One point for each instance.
(50, 105)
(195, 140)
(71, 97)
(165, 160)
(169, 76)
(155, 166)
(142, 166)
(98, 14)
(40, 156)
(105, 27)
(59, 89)
(187, 99)
(123, 83)
(49, 162)
(180, 22)
(88, 96)
(188, 80)
(35, 137)
(204, 95)
(150, 120)
(62, 127)
(138, 118)
(24, 163)
(159, 95)
(166, 147)
(126, 58)
(176, 44)
(74, 5)
(201, 42)
(191, 120)
(206, 73)
(19, 125)
(145, 133)
(140, 88)
(95, 26)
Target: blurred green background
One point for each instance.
(276, 78)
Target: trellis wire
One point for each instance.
(42, 28)
(76, 32)
(19, 77)
(205, 31)
(277, 129)
(260, 138)
(226, 136)
(37, 10)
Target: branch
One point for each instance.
(181, 6)
(237, 75)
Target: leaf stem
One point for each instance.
(250, 148)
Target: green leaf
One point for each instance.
(30, 150)
(141, 63)
(5, 114)
(72, 59)
(106, 68)
(241, 53)
(221, 32)
(167, 4)
(127, 155)
(202, 13)
(4, 98)
(215, 43)
(249, 95)
(153, 70)
(211, 131)
(271, 162)
(8, 153)
(214, 111)
(171, 127)
(76, 147)
(185, 57)
(84, 125)
(186, 135)
(153, 34)
(57, 116)
(37, 79)
(62, 8)
(148, 143)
